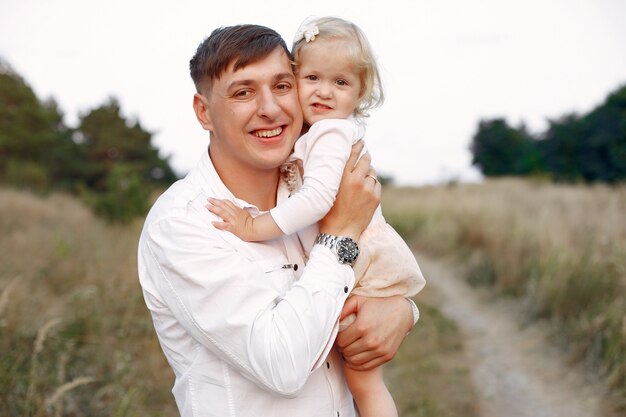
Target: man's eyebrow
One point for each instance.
(246, 82)
(239, 83)
(284, 75)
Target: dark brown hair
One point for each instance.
(241, 44)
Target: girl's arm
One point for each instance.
(324, 151)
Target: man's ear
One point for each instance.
(201, 108)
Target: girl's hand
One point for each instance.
(234, 219)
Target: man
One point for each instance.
(248, 328)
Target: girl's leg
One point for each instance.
(370, 394)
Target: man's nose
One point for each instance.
(268, 105)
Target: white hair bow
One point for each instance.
(307, 32)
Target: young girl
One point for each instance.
(338, 82)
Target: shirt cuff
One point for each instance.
(339, 278)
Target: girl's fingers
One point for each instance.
(218, 211)
(222, 226)
(219, 203)
(223, 208)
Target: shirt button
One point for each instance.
(345, 289)
(295, 267)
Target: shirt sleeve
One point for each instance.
(324, 153)
(224, 302)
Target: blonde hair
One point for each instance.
(360, 52)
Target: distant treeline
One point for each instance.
(587, 148)
(107, 159)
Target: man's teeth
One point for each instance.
(268, 133)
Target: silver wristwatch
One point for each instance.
(345, 248)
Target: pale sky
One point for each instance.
(446, 64)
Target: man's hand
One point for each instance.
(380, 327)
(357, 198)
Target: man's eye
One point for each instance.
(283, 86)
(242, 93)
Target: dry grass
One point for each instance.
(76, 338)
(430, 375)
(561, 248)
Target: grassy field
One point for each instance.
(430, 375)
(562, 248)
(76, 338)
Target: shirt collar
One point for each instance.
(212, 184)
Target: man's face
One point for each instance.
(254, 115)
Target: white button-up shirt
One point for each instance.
(246, 332)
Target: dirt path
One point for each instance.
(517, 373)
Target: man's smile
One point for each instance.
(268, 133)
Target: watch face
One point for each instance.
(347, 250)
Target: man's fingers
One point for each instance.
(348, 337)
(366, 359)
(371, 175)
(362, 167)
(351, 306)
(351, 334)
(354, 155)
(369, 365)
(360, 358)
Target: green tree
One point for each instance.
(35, 145)
(108, 159)
(124, 197)
(561, 148)
(603, 148)
(590, 148)
(499, 149)
(110, 139)
(123, 164)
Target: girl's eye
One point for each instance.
(311, 77)
(342, 82)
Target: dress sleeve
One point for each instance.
(324, 152)
(225, 302)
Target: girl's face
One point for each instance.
(329, 85)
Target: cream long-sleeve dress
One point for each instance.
(385, 266)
